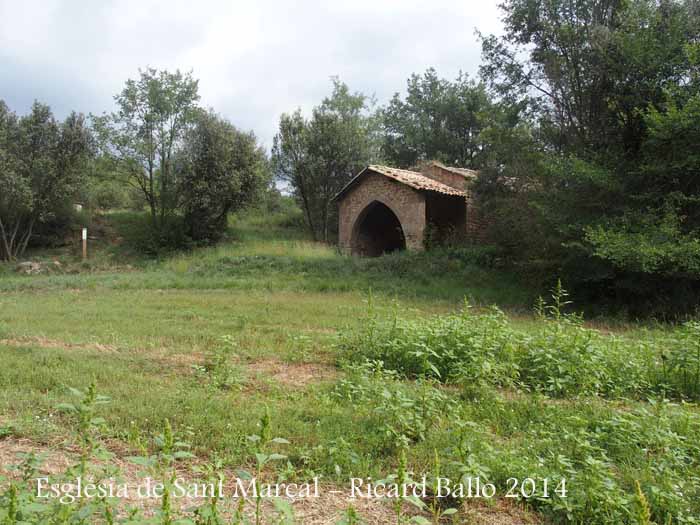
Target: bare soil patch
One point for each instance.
(45, 342)
(178, 359)
(295, 375)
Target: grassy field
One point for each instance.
(357, 364)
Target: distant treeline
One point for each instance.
(160, 150)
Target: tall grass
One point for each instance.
(557, 401)
(268, 252)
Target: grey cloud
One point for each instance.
(254, 60)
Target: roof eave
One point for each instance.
(345, 188)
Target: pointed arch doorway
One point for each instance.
(377, 231)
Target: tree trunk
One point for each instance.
(23, 244)
(151, 195)
(307, 210)
(12, 246)
(5, 254)
(163, 187)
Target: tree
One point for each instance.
(438, 120)
(594, 77)
(587, 67)
(292, 164)
(41, 166)
(661, 233)
(155, 112)
(220, 170)
(319, 156)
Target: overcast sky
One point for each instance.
(255, 59)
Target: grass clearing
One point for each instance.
(270, 334)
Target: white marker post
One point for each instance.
(84, 243)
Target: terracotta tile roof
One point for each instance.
(413, 179)
(466, 173)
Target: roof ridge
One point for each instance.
(414, 179)
(382, 166)
(465, 172)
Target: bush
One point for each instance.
(108, 195)
(59, 226)
(560, 358)
(565, 359)
(404, 414)
(141, 236)
(454, 348)
(487, 256)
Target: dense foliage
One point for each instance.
(42, 163)
(219, 170)
(620, 465)
(190, 167)
(603, 169)
(561, 359)
(438, 120)
(142, 137)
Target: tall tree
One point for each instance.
(660, 232)
(438, 120)
(155, 112)
(319, 156)
(41, 166)
(220, 170)
(292, 164)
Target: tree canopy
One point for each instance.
(438, 120)
(610, 89)
(317, 157)
(219, 170)
(154, 114)
(42, 164)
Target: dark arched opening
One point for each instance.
(377, 231)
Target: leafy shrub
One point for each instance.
(406, 413)
(602, 454)
(560, 358)
(462, 347)
(140, 235)
(218, 369)
(563, 359)
(485, 255)
(220, 170)
(682, 360)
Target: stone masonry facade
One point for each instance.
(407, 204)
(419, 200)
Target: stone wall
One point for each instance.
(406, 203)
(477, 225)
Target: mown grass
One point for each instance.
(180, 337)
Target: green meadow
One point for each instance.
(402, 365)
